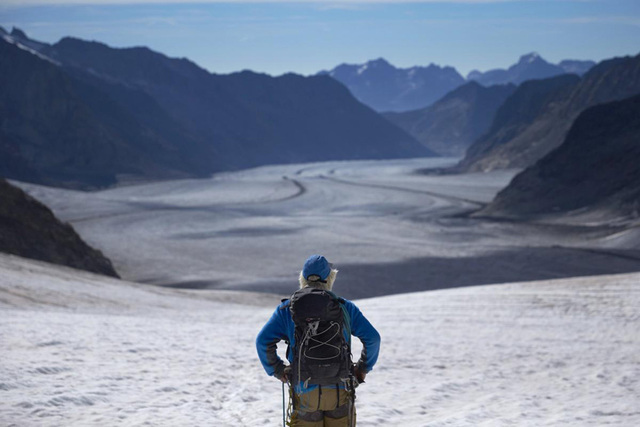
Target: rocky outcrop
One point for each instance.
(29, 229)
(597, 167)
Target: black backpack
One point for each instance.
(322, 355)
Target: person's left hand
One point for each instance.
(359, 373)
(286, 375)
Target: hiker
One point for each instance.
(320, 373)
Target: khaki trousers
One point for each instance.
(322, 407)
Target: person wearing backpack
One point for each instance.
(317, 325)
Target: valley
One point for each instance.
(387, 227)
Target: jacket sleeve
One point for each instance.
(361, 328)
(272, 332)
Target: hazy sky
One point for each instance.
(307, 36)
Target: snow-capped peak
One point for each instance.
(530, 57)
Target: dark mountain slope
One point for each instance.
(384, 87)
(248, 119)
(452, 124)
(86, 115)
(597, 166)
(516, 115)
(610, 80)
(59, 131)
(507, 147)
(142, 122)
(29, 229)
(333, 126)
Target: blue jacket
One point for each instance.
(281, 327)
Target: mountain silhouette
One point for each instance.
(384, 87)
(59, 131)
(536, 118)
(597, 166)
(144, 115)
(529, 67)
(454, 122)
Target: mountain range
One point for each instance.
(529, 67)
(59, 130)
(386, 88)
(597, 167)
(83, 114)
(453, 123)
(535, 119)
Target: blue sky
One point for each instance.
(307, 36)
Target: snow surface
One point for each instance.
(84, 350)
(386, 226)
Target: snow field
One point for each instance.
(83, 350)
(550, 353)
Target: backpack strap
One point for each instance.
(347, 321)
(283, 303)
(345, 315)
(283, 306)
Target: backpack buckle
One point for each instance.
(313, 327)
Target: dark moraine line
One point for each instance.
(406, 190)
(301, 190)
(157, 206)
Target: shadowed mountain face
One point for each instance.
(58, 131)
(249, 119)
(514, 118)
(384, 87)
(597, 166)
(537, 117)
(453, 123)
(529, 67)
(29, 229)
(92, 115)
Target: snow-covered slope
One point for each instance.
(85, 350)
